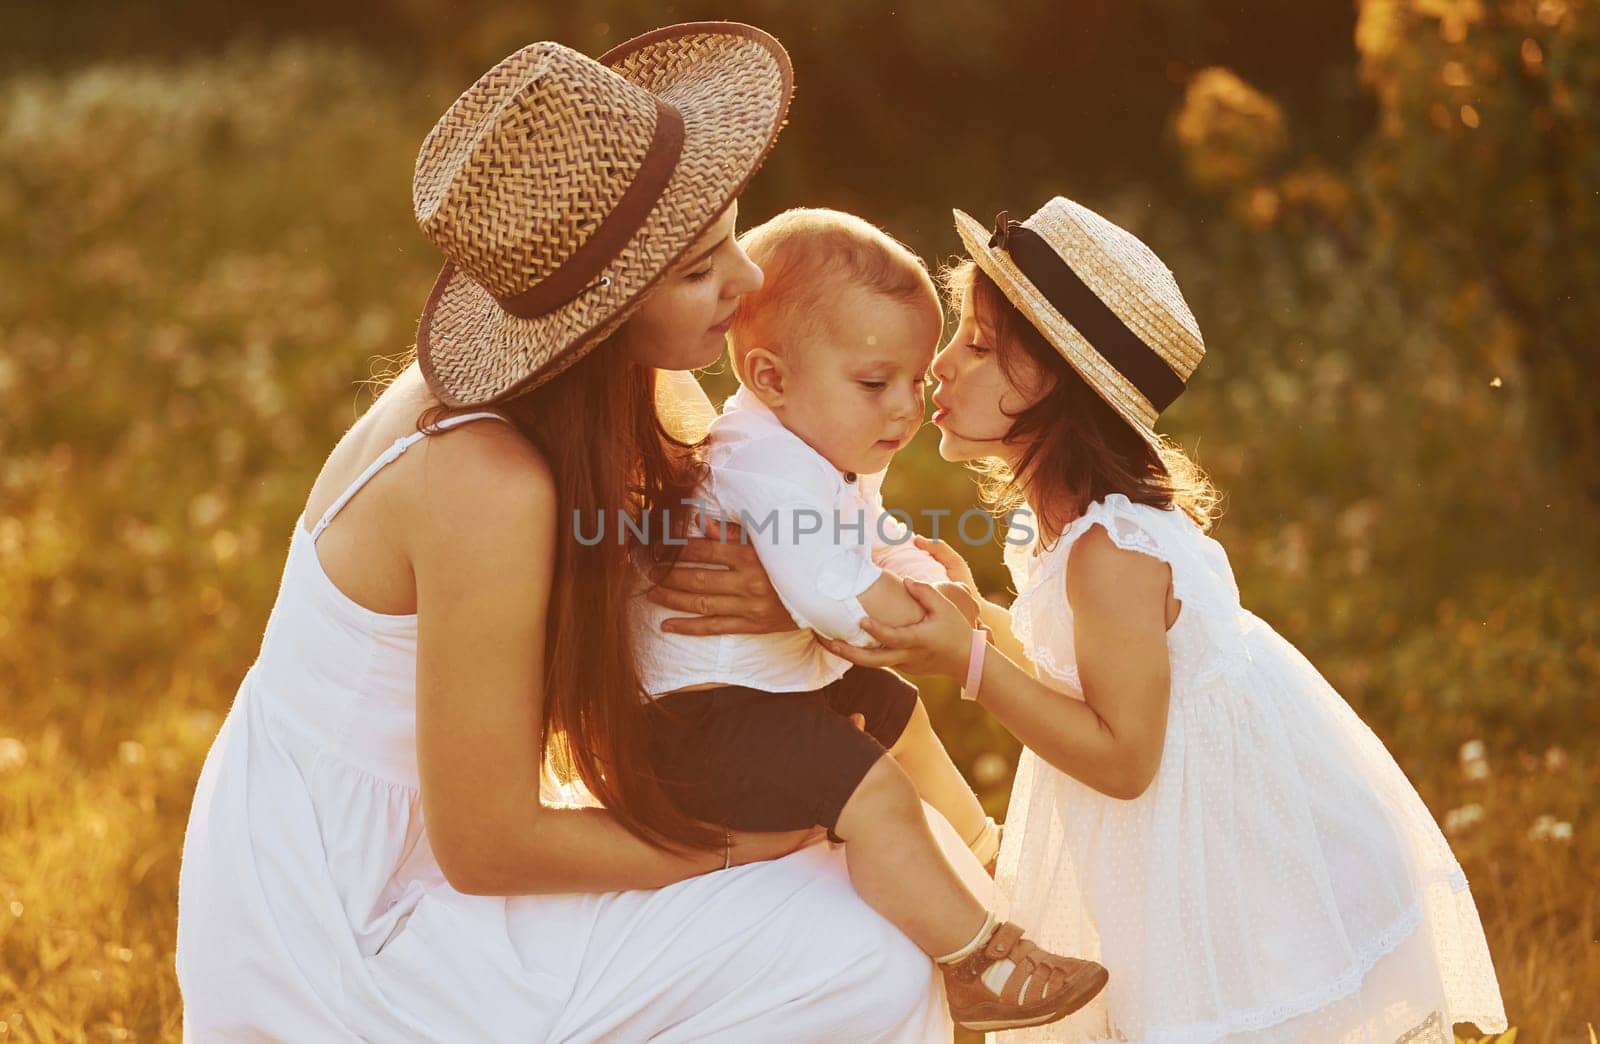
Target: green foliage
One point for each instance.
(1485, 178)
(199, 263)
(1476, 194)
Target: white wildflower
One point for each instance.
(1549, 828)
(1464, 818)
(13, 755)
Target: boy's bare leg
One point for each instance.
(898, 867)
(922, 755)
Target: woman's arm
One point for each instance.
(1113, 738)
(483, 549)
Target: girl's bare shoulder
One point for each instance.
(1101, 574)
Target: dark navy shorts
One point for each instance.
(755, 760)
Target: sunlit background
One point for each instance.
(1384, 214)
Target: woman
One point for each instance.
(367, 856)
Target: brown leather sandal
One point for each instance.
(1042, 987)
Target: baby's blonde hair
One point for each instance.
(807, 254)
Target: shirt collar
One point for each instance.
(749, 403)
(745, 400)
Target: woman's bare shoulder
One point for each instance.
(479, 464)
(486, 461)
(485, 476)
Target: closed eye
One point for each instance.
(703, 265)
(873, 385)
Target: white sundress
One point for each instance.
(1280, 880)
(310, 906)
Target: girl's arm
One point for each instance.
(1113, 738)
(482, 542)
(998, 619)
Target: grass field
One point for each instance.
(200, 263)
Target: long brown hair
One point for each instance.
(1077, 448)
(597, 426)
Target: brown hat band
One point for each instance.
(1088, 314)
(579, 271)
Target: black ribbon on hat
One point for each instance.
(1087, 313)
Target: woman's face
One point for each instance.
(683, 324)
(975, 400)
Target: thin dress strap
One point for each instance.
(387, 457)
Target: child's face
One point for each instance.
(857, 399)
(975, 400)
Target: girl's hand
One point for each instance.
(948, 557)
(939, 643)
(737, 599)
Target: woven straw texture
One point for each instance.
(1121, 271)
(528, 162)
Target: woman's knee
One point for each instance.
(901, 974)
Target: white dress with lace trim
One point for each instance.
(1280, 880)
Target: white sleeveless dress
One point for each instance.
(1280, 880)
(310, 906)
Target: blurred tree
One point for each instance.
(995, 104)
(1477, 190)
(1484, 180)
(1230, 131)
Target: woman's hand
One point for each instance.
(736, 599)
(939, 643)
(950, 559)
(756, 847)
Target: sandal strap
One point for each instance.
(1049, 982)
(1024, 965)
(1000, 945)
(1037, 974)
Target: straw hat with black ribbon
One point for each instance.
(1101, 297)
(561, 188)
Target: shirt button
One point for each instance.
(849, 476)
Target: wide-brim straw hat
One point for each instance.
(561, 188)
(1101, 297)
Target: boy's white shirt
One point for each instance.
(767, 477)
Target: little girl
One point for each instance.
(1195, 806)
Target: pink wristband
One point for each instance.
(980, 643)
